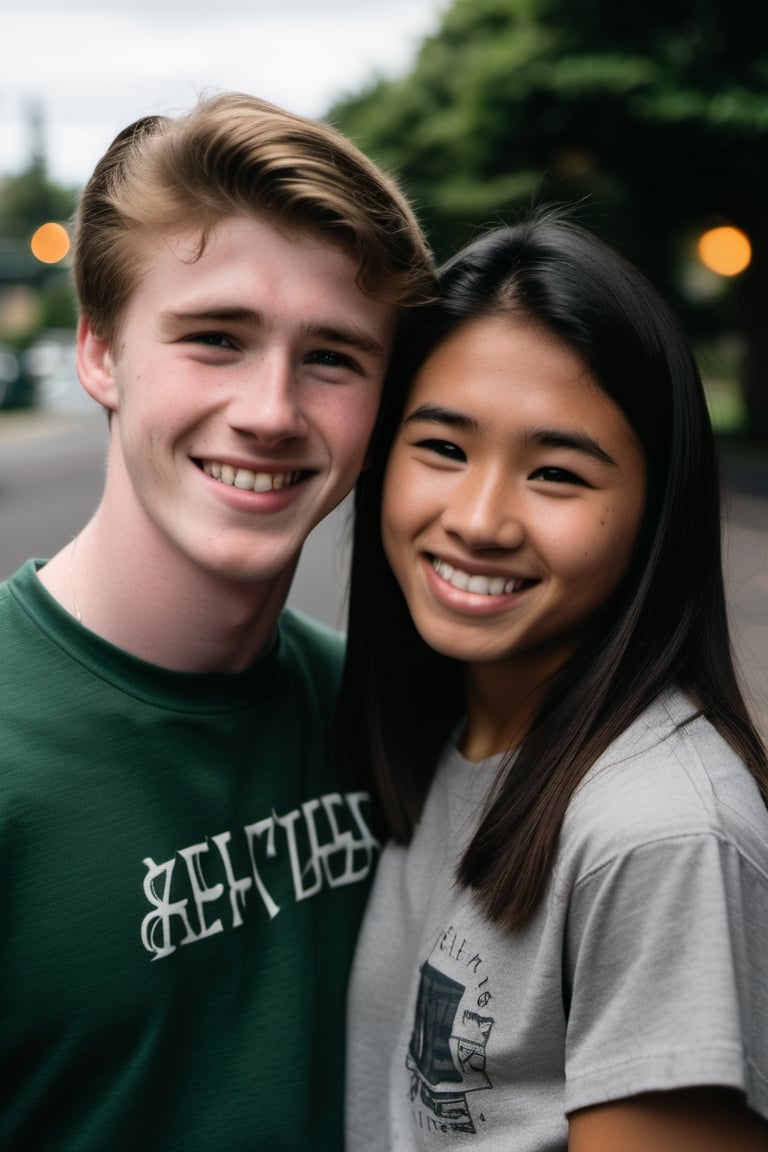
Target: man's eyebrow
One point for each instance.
(351, 336)
(575, 441)
(435, 414)
(212, 315)
(348, 335)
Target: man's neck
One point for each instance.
(164, 610)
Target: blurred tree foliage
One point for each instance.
(652, 117)
(28, 200)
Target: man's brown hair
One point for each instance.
(237, 155)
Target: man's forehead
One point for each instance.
(249, 270)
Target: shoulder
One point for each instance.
(661, 890)
(24, 613)
(309, 645)
(670, 776)
(20, 581)
(310, 659)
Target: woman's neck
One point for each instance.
(503, 698)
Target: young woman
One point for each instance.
(566, 941)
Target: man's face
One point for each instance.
(243, 390)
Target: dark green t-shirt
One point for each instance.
(182, 886)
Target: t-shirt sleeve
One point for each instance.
(667, 983)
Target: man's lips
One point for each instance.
(249, 480)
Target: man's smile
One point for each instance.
(248, 480)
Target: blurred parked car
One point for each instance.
(17, 388)
(50, 361)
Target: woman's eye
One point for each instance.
(558, 476)
(443, 448)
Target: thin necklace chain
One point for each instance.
(78, 614)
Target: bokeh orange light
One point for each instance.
(725, 250)
(50, 243)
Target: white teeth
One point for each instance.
(247, 480)
(244, 478)
(483, 585)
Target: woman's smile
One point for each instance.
(474, 582)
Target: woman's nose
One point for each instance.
(485, 513)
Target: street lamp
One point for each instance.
(725, 250)
(50, 243)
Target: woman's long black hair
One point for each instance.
(666, 625)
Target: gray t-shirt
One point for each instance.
(644, 967)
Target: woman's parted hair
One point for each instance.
(234, 154)
(665, 625)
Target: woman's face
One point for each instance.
(513, 496)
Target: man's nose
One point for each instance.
(267, 401)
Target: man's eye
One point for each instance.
(211, 340)
(557, 476)
(326, 358)
(443, 448)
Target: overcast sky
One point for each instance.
(93, 66)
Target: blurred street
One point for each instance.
(51, 462)
(745, 537)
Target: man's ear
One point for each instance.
(95, 366)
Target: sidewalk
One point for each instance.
(747, 589)
(32, 423)
(745, 538)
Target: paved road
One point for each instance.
(50, 477)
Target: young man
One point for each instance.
(182, 874)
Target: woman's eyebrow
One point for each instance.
(545, 437)
(575, 441)
(435, 414)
